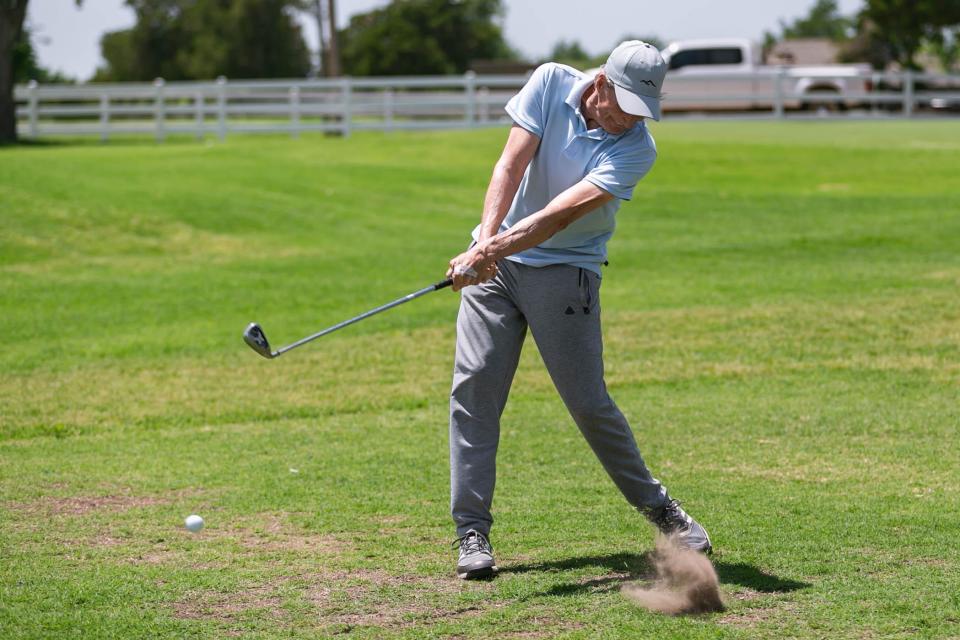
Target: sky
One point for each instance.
(68, 38)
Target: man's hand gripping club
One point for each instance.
(471, 267)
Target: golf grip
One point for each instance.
(389, 305)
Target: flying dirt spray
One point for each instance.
(685, 583)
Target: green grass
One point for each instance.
(782, 322)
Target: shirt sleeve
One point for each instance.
(619, 173)
(527, 107)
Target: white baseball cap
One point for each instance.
(636, 70)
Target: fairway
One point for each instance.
(782, 328)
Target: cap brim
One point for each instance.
(635, 105)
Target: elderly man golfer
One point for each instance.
(578, 147)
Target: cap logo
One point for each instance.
(649, 83)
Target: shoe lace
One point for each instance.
(669, 519)
(472, 542)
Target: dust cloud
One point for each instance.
(685, 582)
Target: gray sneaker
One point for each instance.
(476, 556)
(675, 523)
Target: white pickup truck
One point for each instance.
(727, 74)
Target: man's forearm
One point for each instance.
(543, 225)
(503, 187)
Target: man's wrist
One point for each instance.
(484, 250)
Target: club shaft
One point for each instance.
(362, 316)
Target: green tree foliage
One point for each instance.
(419, 37)
(823, 21)
(568, 49)
(201, 39)
(570, 52)
(896, 30)
(26, 67)
(946, 48)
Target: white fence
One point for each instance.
(347, 104)
(218, 108)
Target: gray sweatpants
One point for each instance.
(561, 306)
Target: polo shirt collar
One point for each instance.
(573, 101)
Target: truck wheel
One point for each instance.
(810, 102)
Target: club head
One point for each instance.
(254, 336)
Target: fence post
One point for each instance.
(34, 106)
(158, 109)
(778, 93)
(104, 117)
(388, 108)
(470, 88)
(198, 105)
(875, 80)
(908, 93)
(294, 111)
(347, 92)
(221, 107)
(484, 104)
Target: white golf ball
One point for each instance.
(194, 523)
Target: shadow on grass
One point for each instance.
(26, 143)
(621, 568)
(747, 575)
(95, 141)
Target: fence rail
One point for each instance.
(344, 105)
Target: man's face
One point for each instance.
(611, 117)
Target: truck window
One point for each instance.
(726, 55)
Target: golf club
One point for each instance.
(257, 339)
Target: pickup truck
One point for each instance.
(727, 74)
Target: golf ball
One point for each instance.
(194, 523)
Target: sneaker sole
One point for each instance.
(476, 574)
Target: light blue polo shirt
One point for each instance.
(549, 107)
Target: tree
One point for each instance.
(568, 49)
(823, 21)
(325, 14)
(26, 67)
(570, 52)
(898, 29)
(946, 48)
(12, 14)
(17, 62)
(416, 37)
(199, 39)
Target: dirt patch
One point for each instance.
(376, 598)
(274, 532)
(265, 536)
(116, 502)
(754, 616)
(686, 582)
(104, 540)
(228, 607)
(82, 505)
(155, 557)
(344, 599)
